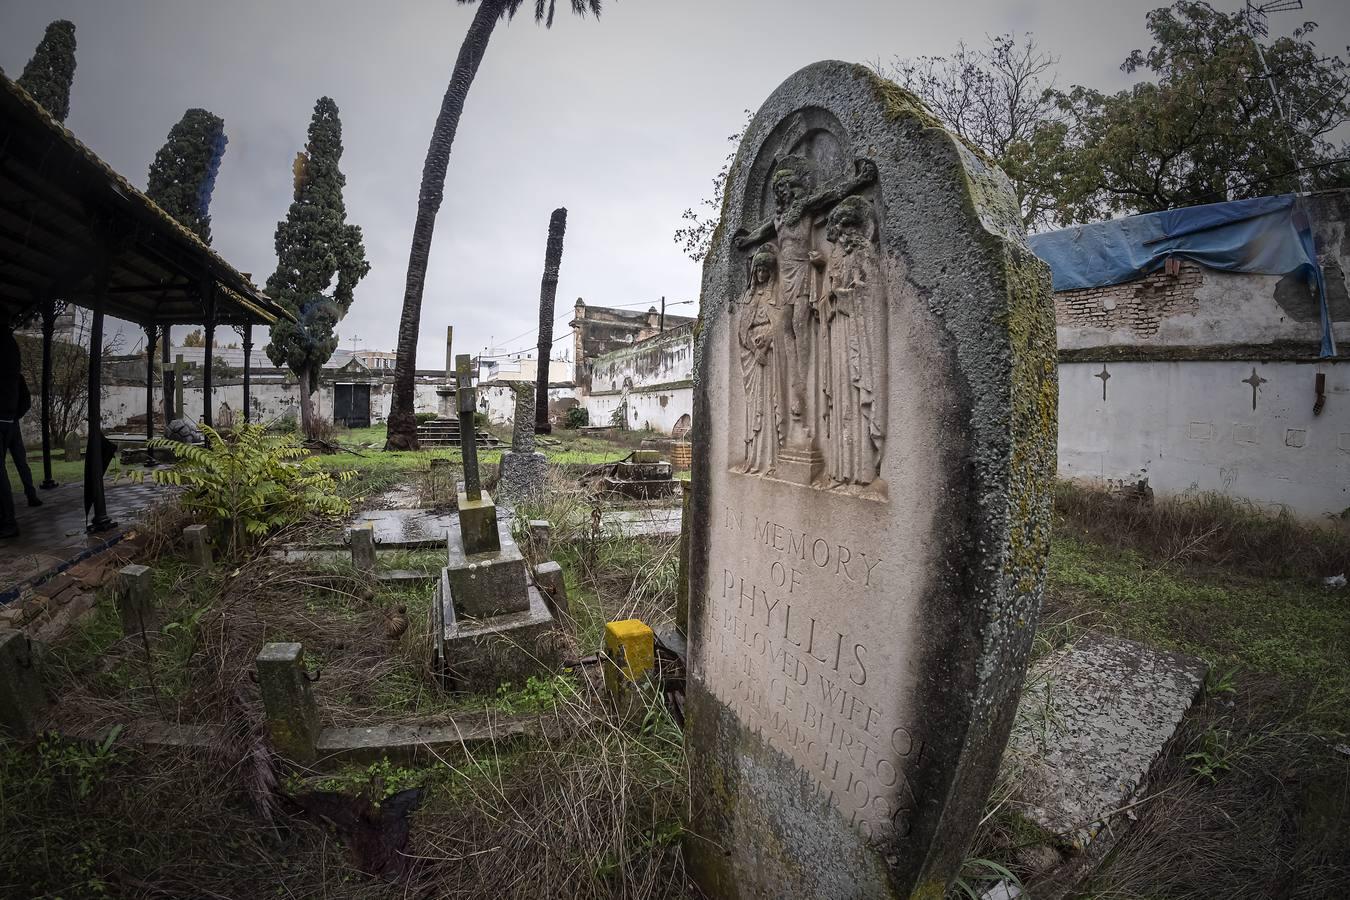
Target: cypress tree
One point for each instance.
(320, 259)
(183, 175)
(49, 74)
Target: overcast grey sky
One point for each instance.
(623, 121)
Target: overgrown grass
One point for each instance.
(1251, 798)
(591, 809)
(1291, 628)
(1206, 527)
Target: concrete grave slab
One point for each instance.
(1093, 718)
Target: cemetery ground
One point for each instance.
(568, 799)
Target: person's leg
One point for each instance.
(8, 527)
(20, 454)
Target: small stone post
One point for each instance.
(541, 538)
(199, 547)
(549, 577)
(363, 548)
(72, 446)
(134, 591)
(22, 700)
(288, 703)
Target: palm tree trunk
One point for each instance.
(402, 429)
(548, 290)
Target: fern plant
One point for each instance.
(253, 484)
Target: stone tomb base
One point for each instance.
(491, 626)
(480, 654)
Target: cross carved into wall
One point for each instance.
(1104, 376)
(1255, 381)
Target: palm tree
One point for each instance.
(402, 434)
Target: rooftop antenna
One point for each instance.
(1256, 25)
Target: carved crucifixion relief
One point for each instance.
(812, 329)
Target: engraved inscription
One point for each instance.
(805, 684)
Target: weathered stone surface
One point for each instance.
(477, 524)
(480, 654)
(522, 430)
(23, 702)
(875, 387)
(541, 538)
(419, 743)
(1092, 719)
(288, 703)
(523, 475)
(134, 593)
(553, 585)
(363, 548)
(487, 584)
(199, 545)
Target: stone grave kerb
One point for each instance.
(927, 640)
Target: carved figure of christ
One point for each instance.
(795, 208)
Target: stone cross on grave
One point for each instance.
(468, 437)
(477, 513)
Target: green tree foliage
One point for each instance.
(183, 174)
(253, 484)
(49, 74)
(320, 259)
(1205, 126)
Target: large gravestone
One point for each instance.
(870, 513)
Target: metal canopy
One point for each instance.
(64, 214)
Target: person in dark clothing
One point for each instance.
(10, 391)
(13, 443)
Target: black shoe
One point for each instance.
(9, 531)
(33, 500)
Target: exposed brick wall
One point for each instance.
(1136, 305)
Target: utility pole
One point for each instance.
(663, 315)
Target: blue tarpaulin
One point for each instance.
(1265, 235)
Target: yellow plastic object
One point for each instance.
(631, 650)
